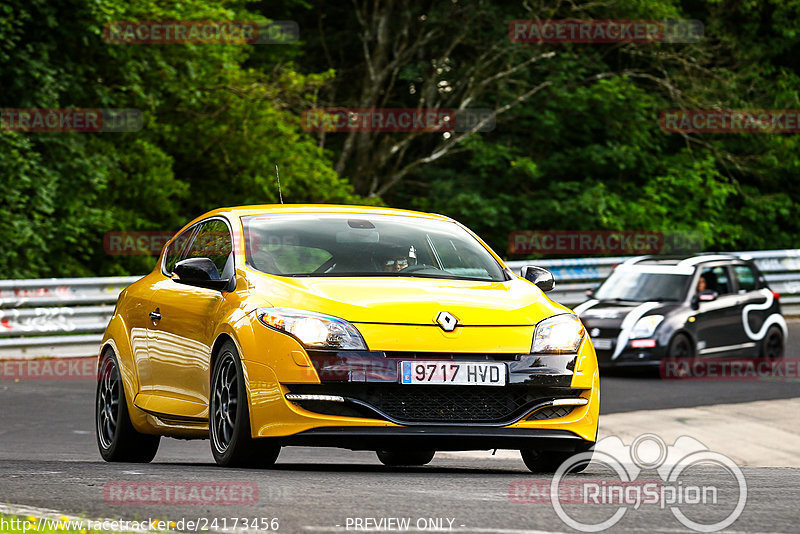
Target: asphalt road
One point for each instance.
(49, 459)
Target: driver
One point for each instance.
(397, 259)
(701, 284)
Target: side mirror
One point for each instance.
(704, 296)
(200, 272)
(542, 278)
(707, 296)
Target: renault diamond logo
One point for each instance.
(447, 321)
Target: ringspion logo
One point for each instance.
(694, 501)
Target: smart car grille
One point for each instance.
(606, 334)
(434, 404)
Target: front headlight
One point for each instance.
(559, 334)
(314, 330)
(646, 326)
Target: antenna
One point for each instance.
(278, 176)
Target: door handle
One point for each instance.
(155, 315)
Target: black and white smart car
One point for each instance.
(653, 307)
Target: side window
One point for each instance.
(456, 258)
(214, 241)
(746, 278)
(716, 279)
(176, 248)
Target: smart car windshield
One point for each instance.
(365, 245)
(641, 286)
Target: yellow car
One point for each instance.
(347, 326)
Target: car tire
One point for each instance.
(117, 440)
(550, 461)
(772, 346)
(405, 458)
(229, 417)
(680, 347)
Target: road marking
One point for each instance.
(756, 434)
(759, 433)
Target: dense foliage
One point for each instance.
(576, 145)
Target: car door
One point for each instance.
(146, 310)
(750, 292)
(718, 322)
(183, 327)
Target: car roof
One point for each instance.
(259, 209)
(683, 263)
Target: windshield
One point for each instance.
(365, 245)
(640, 286)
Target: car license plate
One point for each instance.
(602, 344)
(457, 373)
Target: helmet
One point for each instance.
(396, 258)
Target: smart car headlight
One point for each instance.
(314, 330)
(559, 334)
(646, 326)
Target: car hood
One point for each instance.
(410, 300)
(611, 314)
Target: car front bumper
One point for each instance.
(541, 378)
(632, 357)
(441, 438)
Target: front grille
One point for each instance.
(551, 412)
(608, 335)
(603, 356)
(461, 356)
(437, 404)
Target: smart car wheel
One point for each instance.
(117, 440)
(680, 347)
(772, 345)
(408, 458)
(229, 417)
(550, 461)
